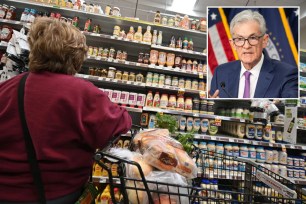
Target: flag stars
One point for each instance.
(296, 12)
(280, 50)
(277, 44)
(213, 16)
(282, 56)
(274, 38)
(270, 33)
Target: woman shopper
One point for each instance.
(68, 119)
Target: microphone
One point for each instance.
(222, 84)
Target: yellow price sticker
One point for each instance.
(201, 76)
(181, 91)
(202, 94)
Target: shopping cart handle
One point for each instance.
(248, 161)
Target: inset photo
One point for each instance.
(253, 52)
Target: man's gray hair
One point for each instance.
(249, 15)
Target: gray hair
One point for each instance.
(249, 15)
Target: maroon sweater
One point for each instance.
(68, 118)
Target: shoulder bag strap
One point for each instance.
(35, 170)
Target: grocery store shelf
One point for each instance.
(223, 138)
(303, 89)
(13, 22)
(175, 112)
(135, 110)
(173, 89)
(178, 50)
(103, 16)
(144, 67)
(228, 175)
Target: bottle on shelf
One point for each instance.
(179, 43)
(157, 17)
(154, 37)
(185, 44)
(172, 42)
(160, 38)
(147, 37)
(291, 125)
(156, 100)
(190, 45)
(138, 34)
(130, 34)
(164, 20)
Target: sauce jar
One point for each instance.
(111, 72)
(172, 102)
(181, 83)
(170, 59)
(188, 104)
(201, 86)
(161, 80)
(125, 76)
(118, 55)
(95, 51)
(153, 56)
(116, 31)
(180, 103)
(132, 76)
(140, 57)
(90, 51)
(161, 58)
(111, 53)
(195, 85)
(155, 79)
(164, 101)
(203, 106)
(196, 105)
(124, 55)
(146, 58)
(118, 75)
(149, 79)
(177, 61)
(100, 51)
(175, 82)
(188, 84)
(168, 80)
(105, 53)
(189, 66)
(139, 78)
(103, 73)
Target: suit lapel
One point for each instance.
(233, 83)
(265, 78)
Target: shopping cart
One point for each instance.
(273, 188)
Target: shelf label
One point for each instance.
(152, 66)
(100, 78)
(242, 120)
(112, 37)
(133, 63)
(218, 121)
(196, 115)
(270, 144)
(115, 61)
(109, 59)
(181, 91)
(292, 146)
(125, 39)
(254, 142)
(138, 64)
(304, 147)
(102, 180)
(126, 62)
(119, 38)
(128, 82)
(231, 140)
(212, 138)
(202, 94)
(107, 79)
(98, 58)
(86, 76)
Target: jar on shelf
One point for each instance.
(188, 104)
(146, 58)
(196, 105)
(95, 51)
(177, 61)
(103, 73)
(155, 79)
(118, 55)
(140, 57)
(168, 80)
(111, 72)
(164, 20)
(203, 107)
(175, 82)
(157, 17)
(153, 56)
(171, 22)
(170, 59)
(172, 102)
(201, 86)
(124, 55)
(100, 51)
(164, 101)
(139, 78)
(111, 53)
(161, 80)
(118, 75)
(105, 53)
(195, 85)
(132, 76)
(188, 84)
(125, 76)
(90, 51)
(149, 79)
(189, 66)
(181, 83)
(116, 31)
(184, 65)
(161, 58)
(180, 103)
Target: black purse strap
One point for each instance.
(35, 170)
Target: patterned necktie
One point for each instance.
(246, 93)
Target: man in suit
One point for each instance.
(254, 75)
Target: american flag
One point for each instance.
(282, 27)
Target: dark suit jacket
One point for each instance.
(276, 80)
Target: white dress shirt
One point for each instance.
(255, 71)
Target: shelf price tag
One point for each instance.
(126, 62)
(218, 121)
(86, 76)
(109, 59)
(181, 91)
(100, 78)
(231, 140)
(292, 147)
(202, 94)
(138, 64)
(115, 61)
(112, 37)
(254, 142)
(212, 138)
(304, 147)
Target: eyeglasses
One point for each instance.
(253, 40)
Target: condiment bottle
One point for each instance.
(157, 17)
(190, 45)
(172, 42)
(185, 43)
(156, 100)
(160, 38)
(147, 37)
(139, 77)
(130, 34)
(154, 38)
(138, 34)
(164, 101)
(149, 100)
(179, 43)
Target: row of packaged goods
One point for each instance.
(277, 161)
(303, 67)
(154, 58)
(302, 82)
(177, 21)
